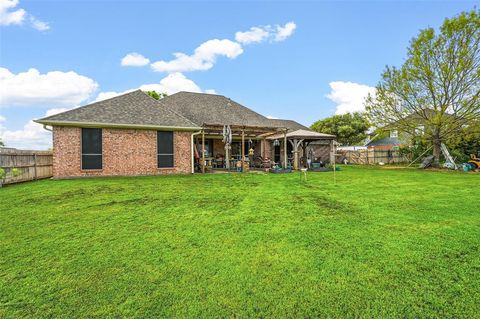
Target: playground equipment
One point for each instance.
(450, 163)
(472, 164)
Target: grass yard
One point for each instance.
(380, 243)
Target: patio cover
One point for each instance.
(304, 135)
(296, 138)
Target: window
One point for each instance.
(164, 149)
(394, 133)
(91, 148)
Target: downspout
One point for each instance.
(193, 153)
(46, 128)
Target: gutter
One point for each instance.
(193, 153)
(116, 125)
(46, 128)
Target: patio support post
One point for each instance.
(285, 159)
(304, 153)
(227, 156)
(295, 154)
(203, 151)
(296, 144)
(243, 148)
(262, 147)
(332, 152)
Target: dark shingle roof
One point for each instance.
(131, 109)
(384, 141)
(290, 124)
(213, 109)
(180, 110)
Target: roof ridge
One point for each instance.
(202, 93)
(171, 109)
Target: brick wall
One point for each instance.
(125, 152)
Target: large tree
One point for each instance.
(350, 129)
(437, 87)
(1, 142)
(156, 95)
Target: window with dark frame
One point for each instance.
(164, 149)
(91, 148)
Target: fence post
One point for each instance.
(35, 165)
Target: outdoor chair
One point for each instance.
(264, 162)
(218, 162)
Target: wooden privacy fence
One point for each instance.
(365, 157)
(31, 165)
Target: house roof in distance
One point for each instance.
(134, 109)
(384, 141)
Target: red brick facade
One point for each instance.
(125, 152)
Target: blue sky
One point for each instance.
(315, 59)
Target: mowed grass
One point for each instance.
(380, 243)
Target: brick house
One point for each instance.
(134, 134)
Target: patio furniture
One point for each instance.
(218, 162)
(264, 162)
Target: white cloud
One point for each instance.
(39, 25)
(134, 59)
(2, 118)
(32, 136)
(203, 58)
(349, 96)
(54, 88)
(108, 95)
(259, 34)
(285, 31)
(210, 91)
(11, 16)
(272, 117)
(172, 83)
(254, 35)
(51, 112)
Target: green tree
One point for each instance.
(350, 129)
(437, 87)
(155, 95)
(1, 142)
(466, 142)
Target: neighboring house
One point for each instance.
(134, 134)
(389, 143)
(394, 140)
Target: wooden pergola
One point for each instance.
(305, 137)
(249, 131)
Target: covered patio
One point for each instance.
(302, 141)
(253, 147)
(236, 150)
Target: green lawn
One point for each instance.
(379, 243)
